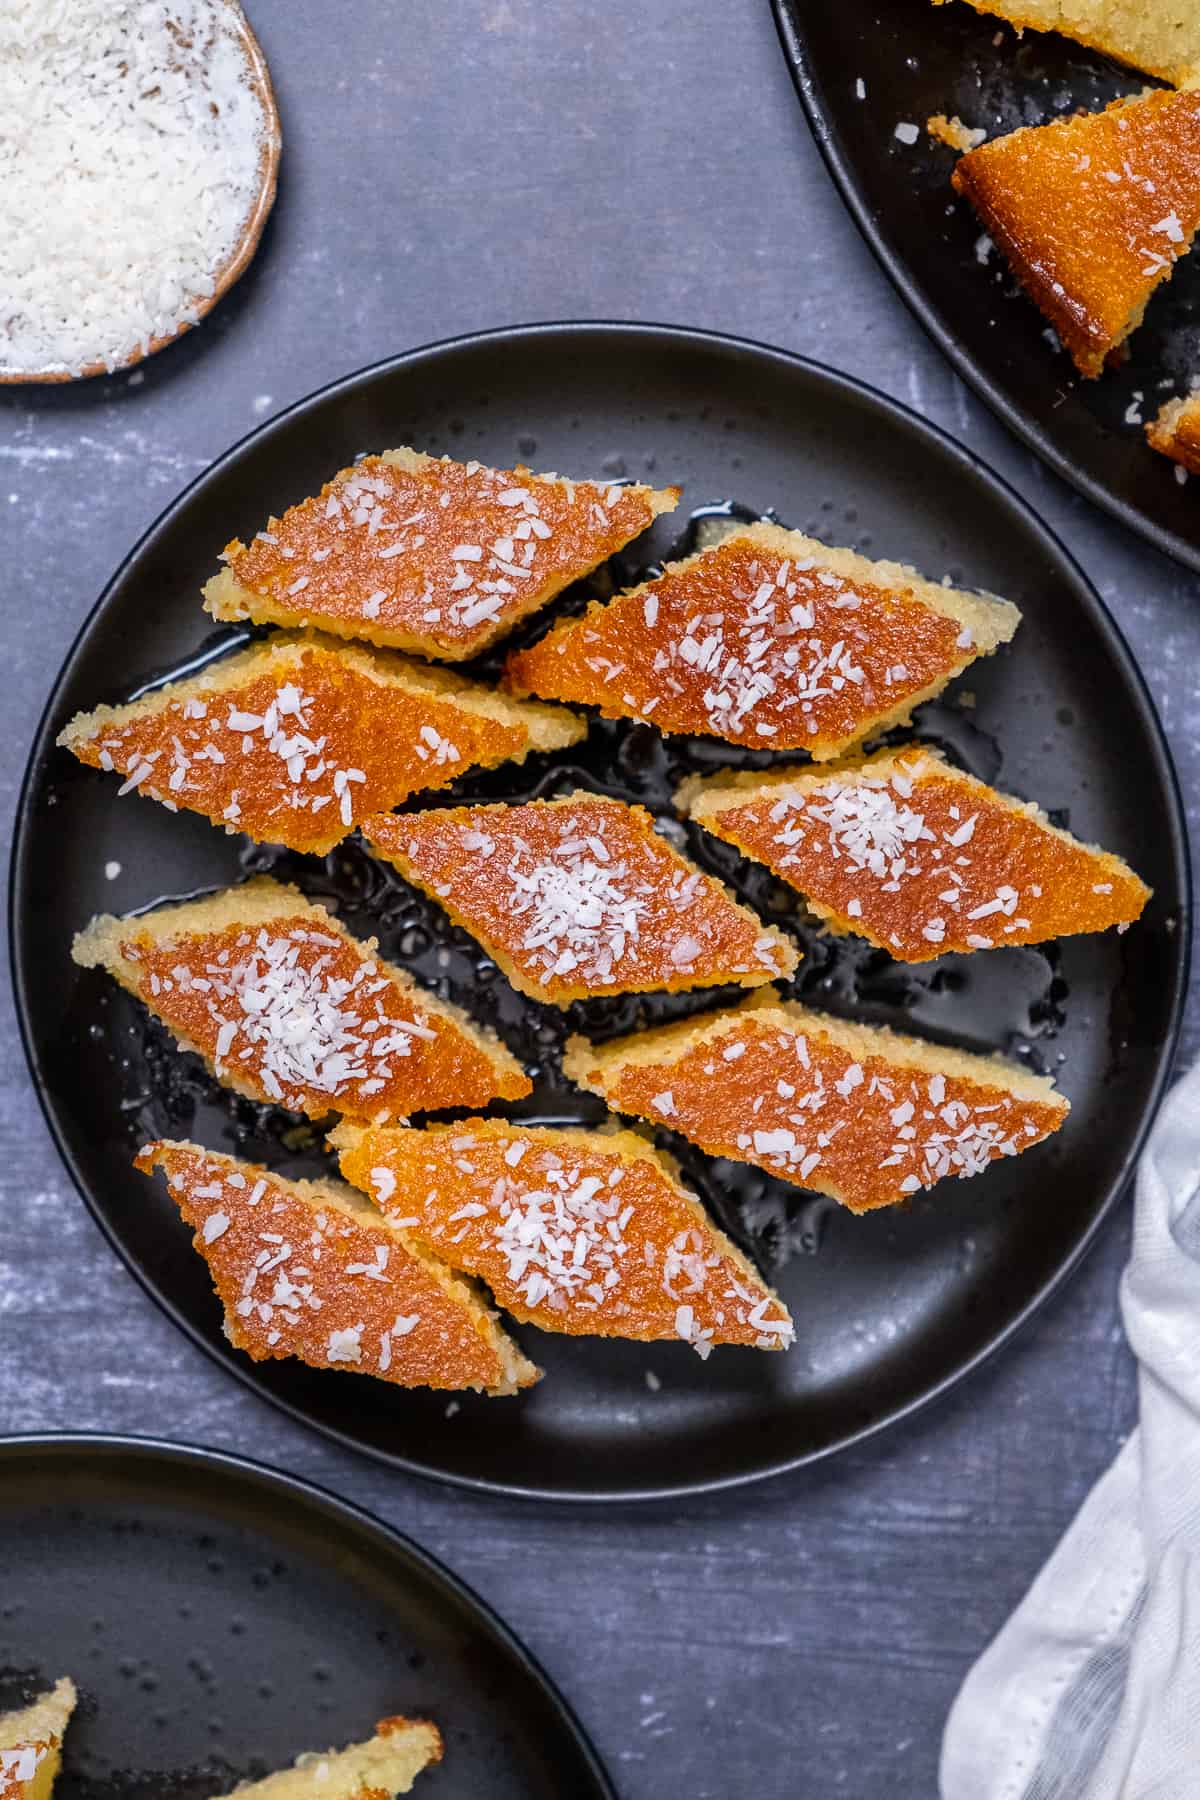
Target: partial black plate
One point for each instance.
(218, 1618)
(914, 60)
(890, 1308)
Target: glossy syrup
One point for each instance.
(1011, 1000)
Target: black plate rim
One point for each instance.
(1103, 621)
(925, 310)
(343, 1516)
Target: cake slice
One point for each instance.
(385, 1766)
(1093, 212)
(1176, 431)
(286, 1007)
(580, 896)
(917, 857)
(310, 1269)
(426, 554)
(31, 1744)
(768, 639)
(585, 1232)
(1160, 37)
(856, 1112)
(296, 739)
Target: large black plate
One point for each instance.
(890, 1308)
(217, 1618)
(913, 61)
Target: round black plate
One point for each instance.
(889, 1308)
(218, 1618)
(914, 61)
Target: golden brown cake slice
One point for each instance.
(580, 896)
(917, 857)
(1161, 37)
(768, 639)
(385, 1766)
(1176, 432)
(312, 1270)
(856, 1112)
(585, 1232)
(1093, 212)
(426, 554)
(294, 740)
(31, 1744)
(285, 1006)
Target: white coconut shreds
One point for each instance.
(130, 143)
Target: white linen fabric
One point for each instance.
(1091, 1691)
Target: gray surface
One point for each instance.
(450, 167)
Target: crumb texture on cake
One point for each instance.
(1093, 212)
(296, 739)
(31, 1743)
(312, 1270)
(907, 851)
(580, 896)
(384, 1766)
(577, 1231)
(286, 1007)
(1160, 37)
(770, 640)
(860, 1113)
(1175, 432)
(426, 554)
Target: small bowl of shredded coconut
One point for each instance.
(139, 147)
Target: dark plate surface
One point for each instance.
(914, 61)
(218, 1618)
(889, 1308)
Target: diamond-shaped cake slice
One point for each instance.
(585, 1232)
(429, 555)
(1161, 37)
(1093, 212)
(917, 857)
(385, 1766)
(285, 1006)
(1175, 432)
(294, 740)
(771, 640)
(580, 896)
(857, 1112)
(31, 1744)
(310, 1269)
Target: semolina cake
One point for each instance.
(767, 639)
(286, 1007)
(429, 555)
(857, 1112)
(295, 739)
(1176, 432)
(31, 1744)
(1160, 37)
(580, 896)
(585, 1232)
(385, 1766)
(917, 857)
(1093, 212)
(309, 1269)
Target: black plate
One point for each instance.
(891, 1308)
(914, 61)
(218, 1618)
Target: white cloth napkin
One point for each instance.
(1092, 1689)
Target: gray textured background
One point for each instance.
(469, 164)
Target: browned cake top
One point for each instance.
(746, 642)
(580, 896)
(431, 550)
(1093, 211)
(300, 745)
(20, 1764)
(577, 1232)
(1176, 432)
(301, 1275)
(921, 859)
(777, 1089)
(298, 1012)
